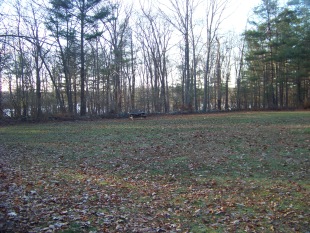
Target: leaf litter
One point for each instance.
(182, 174)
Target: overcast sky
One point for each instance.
(239, 13)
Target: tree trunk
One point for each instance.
(219, 76)
(133, 77)
(82, 57)
(227, 91)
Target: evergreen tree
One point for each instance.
(278, 54)
(72, 19)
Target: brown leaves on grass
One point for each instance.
(90, 200)
(178, 175)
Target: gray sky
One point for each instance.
(239, 13)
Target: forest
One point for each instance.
(101, 58)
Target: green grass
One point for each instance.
(194, 173)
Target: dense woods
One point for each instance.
(101, 58)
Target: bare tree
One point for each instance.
(154, 36)
(227, 51)
(179, 15)
(21, 66)
(218, 74)
(3, 58)
(238, 70)
(2, 55)
(214, 19)
(118, 37)
(34, 25)
(195, 51)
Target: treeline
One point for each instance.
(277, 72)
(92, 57)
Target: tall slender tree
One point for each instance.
(214, 18)
(180, 19)
(118, 37)
(60, 23)
(89, 12)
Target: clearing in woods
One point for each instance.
(236, 172)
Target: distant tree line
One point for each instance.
(95, 58)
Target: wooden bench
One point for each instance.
(137, 115)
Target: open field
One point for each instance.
(236, 172)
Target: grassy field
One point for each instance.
(236, 172)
